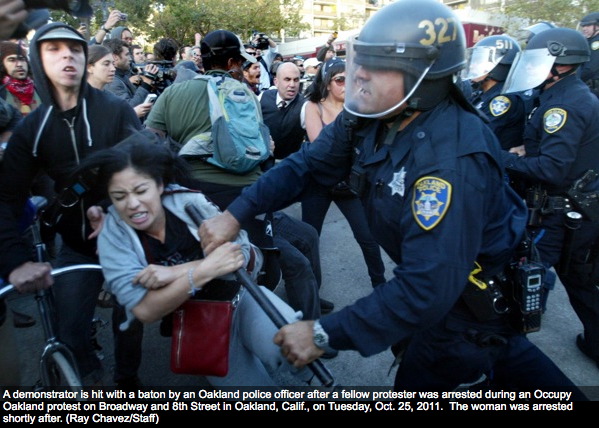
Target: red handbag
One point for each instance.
(201, 333)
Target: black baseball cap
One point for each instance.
(224, 43)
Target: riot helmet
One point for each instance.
(590, 19)
(539, 27)
(492, 56)
(587, 21)
(407, 53)
(561, 46)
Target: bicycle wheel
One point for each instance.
(61, 373)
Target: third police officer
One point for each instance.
(589, 71)
(559, 161)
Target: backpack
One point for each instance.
(239, 140)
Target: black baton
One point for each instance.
(572, 222)
(317, 367)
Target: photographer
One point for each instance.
(108, 27)
(266, 49)
(124, 84)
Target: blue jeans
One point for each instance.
(316, 203)
(127, 345)
(10, 374)
(75, 298)
(300, 263)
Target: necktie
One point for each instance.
(282, 104)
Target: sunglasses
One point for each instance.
(339, 80)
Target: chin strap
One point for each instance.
(555, 73)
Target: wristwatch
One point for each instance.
(321, 338)
(106, 30)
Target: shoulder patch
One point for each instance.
(432, 197)
(554, 119)
(595, 45)
(499, 105)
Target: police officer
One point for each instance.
(488, 65)
(589, 72)
(432, 183)
(561, 143)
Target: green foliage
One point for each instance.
(181, 19)
(560, 12)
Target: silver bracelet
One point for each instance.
(192, 287)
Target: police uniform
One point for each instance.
(562, 143)
(506, 114)
(436, 202)
(589, 72)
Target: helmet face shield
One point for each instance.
(530, 69)
(381, 77)
(481, 60)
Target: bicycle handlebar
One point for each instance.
(9, 288)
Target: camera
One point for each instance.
(165, 75)
(124, 16)
(261, 41)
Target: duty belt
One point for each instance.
(556, 204)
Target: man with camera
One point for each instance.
(133, 88)
(265, 50)
(110, 28)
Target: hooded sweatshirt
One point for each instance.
(115, 33)
(54, 141)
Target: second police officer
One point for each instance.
(488, 65)
(430, 176)
(557, 164)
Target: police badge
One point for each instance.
(554, 119)
(432, 197)
(499, 105)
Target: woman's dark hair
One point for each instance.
(96, 52)
(143, 152)
(319, 88)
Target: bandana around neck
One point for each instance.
(21, 89)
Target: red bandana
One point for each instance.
(22, 89)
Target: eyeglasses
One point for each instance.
(339, 80)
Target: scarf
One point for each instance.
(21, 89)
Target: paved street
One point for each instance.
(344, 280)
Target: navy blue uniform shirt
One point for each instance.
(436, 202)
(561, 138)
(506, 114)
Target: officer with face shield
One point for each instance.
(558, 164)
(488, 64)
(428, 171)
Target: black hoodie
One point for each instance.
(53, 141)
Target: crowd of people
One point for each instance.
(450, 178)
